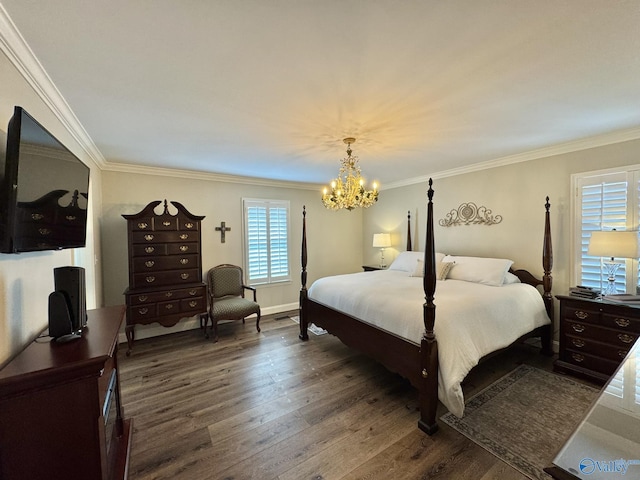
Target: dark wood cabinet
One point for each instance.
(595, 336)
(60, 409)
(165, 268)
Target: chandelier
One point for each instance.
(347, 191)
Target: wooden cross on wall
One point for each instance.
(222, 229)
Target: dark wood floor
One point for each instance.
(268, 406)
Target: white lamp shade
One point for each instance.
(614, 244)
(381, 240)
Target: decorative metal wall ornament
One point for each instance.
(470, 214)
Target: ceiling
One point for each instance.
(270, 88)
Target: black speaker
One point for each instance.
(59, 318)
(71, 282)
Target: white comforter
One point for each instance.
(472, 319)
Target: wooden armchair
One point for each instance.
(226, 290)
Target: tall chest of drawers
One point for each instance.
(595, 336)
(165, 268)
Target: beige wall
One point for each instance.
(26, 279)
(517, 192)
(334, 238)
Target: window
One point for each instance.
(266, 241)
(605, 200)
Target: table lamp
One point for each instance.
(613, 244)
(381, 241)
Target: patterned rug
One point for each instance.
(312, 328)
(525, 417)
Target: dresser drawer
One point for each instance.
(163, 237)
(197, 304)
(167, 277)
(622, 322)
(182, 248)
(168, 262)
(601, 334)
(590, 362)
(149, 250)
(583, 314)
(141, 313)
(598, 349)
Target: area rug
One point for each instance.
(312, 328)
(525, 417)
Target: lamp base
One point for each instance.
(612, 269)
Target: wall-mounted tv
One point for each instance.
(44, 191)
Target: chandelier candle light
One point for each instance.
(613, 244)
(347, 191)
(381, 241)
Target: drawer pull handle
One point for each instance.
(193, 303)
(184, 248)
(184, 276)
(622, 322)
(577, 342)
(166, 223)
(624, 338)
(189, 225)
(577, 327)
(37, 216)
(70, 218)
(143, 225)
(184, 261)
(44, 231)
(193, 292)
(169, 306)
(581, 315)
(184, 236)
(143, 311)
(148, 237)
(150, 279)
(622, 353)
(577, 357)
(142, 298)
(168, 294)
(149, 263)
(149, 249)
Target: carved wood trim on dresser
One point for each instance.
(595, 336)
(165, 268)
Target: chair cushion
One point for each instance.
(233, 308)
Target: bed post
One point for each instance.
(428, 395)
(547, 280)
(409, 231)
(304, 335)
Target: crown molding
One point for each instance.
(14, 46)
(217, 177)
(559, 149)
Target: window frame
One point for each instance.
(269, 278)
(631, 174)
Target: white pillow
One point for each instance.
(488, 271)
(510, 278)
(442, 269)
(406, 261)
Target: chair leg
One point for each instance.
(258, 323)
(204, 317)
(214, 328)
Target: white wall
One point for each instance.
(334, 238)
(26, 279)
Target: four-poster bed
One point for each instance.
(418, 359)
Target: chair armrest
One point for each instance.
(246, 287)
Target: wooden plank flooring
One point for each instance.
(268, 406)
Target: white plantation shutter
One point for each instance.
(266, 233)
(624, 387)
(605, 201)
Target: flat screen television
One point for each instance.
(44, 190)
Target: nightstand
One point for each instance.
(595, 336)
(371, 268)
